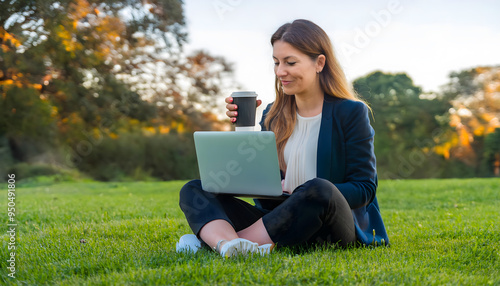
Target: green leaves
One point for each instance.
(23, 112)
(406, 125)
(73, 72)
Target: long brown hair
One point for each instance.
(311, 40)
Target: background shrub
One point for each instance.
(138, 157)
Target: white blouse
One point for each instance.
(300, 152)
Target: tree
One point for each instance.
(69, 50)
(407, 126)
(94, 68)
(475, 111)
(491, 155)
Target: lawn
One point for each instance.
(90, 233)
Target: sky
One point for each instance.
(425, 39)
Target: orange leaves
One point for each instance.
(79, 9)
(179, 126)
(101, 33)
(164, 129)
(445, 148)
(7, 40)
(109, 30)
(19, 80)
(68, 39)
(464, 137)
(7, 82)
(475, 114)
(37, 86)
(149, 130)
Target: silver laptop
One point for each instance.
(243, 163)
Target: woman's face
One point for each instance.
(296, 70)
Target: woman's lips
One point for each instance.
(285, 82)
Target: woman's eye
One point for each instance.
(288, 63)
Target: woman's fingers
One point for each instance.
(231, 113)
(231, 107)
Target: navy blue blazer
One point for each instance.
(347, 159)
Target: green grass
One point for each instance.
(441, 232)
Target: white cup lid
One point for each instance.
(244, 94)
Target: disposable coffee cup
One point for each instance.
(247, 105)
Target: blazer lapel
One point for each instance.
(324, 159)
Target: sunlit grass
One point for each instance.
(441, 232)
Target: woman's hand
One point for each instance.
(232, 108)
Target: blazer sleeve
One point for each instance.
(360, 181)
(264, 115)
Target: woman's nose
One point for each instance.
(280, 71)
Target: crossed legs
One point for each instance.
(315, 212)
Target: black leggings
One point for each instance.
(316, 212)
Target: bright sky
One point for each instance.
(425, 39)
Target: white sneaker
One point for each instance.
(188, 242)
(238, 246)
(265, 249)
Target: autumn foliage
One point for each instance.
(78, 75)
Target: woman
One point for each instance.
(325, 151)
